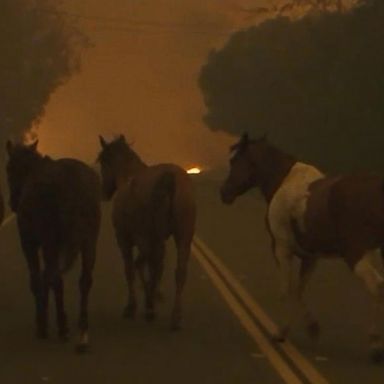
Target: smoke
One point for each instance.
(140, 79)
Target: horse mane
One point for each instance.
(117, 145)
(239, 147)
(270, 164)
(33, 155)
(244, 143)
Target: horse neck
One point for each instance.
(38, 163)
(272, 171)
(134, 167)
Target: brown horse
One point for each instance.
(151, 203)
(57, 203)
(311, 215)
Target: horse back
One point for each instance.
(345, 210)
(164, 190)
(60, 203)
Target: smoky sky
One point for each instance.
(140, 78)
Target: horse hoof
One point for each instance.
(82, 349)
(313, 330)
(377, 355)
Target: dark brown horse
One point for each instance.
(311, 215)
(57, 203)
(151, 203)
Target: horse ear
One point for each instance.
(9, 147)
(33, 146)
(122, 138)
(103, 143)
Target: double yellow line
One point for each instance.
(289, 363)
(7, 220)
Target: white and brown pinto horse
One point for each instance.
(311, 215)
(150, 204)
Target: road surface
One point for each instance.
(231, 303)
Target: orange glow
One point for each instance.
(194, 171)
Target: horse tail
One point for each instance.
(161, 204)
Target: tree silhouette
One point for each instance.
(40, 50)
(316, 85)
(298, 8)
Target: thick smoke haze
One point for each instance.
(39, 52)
(140, 79)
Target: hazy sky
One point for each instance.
(139, 79)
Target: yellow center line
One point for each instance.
(7, 220)
(300, 361)
(264, 344)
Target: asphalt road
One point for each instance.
(216, 345)
(339, 301)
(212, 347)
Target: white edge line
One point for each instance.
(281, 367)
(309, 371)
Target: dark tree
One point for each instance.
(40, 50)
(293, 8)
(316, 85)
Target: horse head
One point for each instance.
(116, 162)
(244, 172)
(22, 160)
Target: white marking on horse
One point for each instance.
(290, 202)
(374, 282)
(366, 270)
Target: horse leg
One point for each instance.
(374, 282)
(284, 258)
(307, 268)
(61, 317)
(159, 294)
(129, 268)
(52, 280)
(30, 250)
(88, 256)
(155, 264)
(183, 254)
(140, 264)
